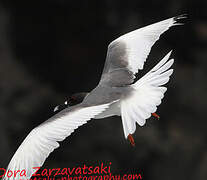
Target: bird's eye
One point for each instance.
(66, 102)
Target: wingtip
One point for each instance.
(182, 16)
(176, 19)
(169, 54)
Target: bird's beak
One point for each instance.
(56, 108)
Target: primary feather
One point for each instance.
(43, 139)
(128, 53)
(114, 95)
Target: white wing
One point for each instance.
(146, 96)
(42, 140)
(128, 53)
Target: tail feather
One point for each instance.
(146, 95)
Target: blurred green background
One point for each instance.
(52, 49)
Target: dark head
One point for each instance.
(74, 99)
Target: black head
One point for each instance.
(74, 99)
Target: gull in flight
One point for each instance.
(116, 94)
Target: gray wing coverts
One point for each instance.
(103, 95)
(115, 71)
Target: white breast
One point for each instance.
(113, 110)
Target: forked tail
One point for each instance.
(146, 96)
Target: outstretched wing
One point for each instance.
(42, 140)
(128, 53)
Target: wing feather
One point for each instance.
(146, 95)
(131, 50)
(43, 139)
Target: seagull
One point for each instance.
(117, 94)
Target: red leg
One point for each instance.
(155, 115)
(131, 140)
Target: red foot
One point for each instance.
(155, 115)
(131, 140)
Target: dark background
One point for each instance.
(51, 49)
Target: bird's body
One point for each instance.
(116, 94)
(113, 110)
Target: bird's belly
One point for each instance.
(113, 110)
